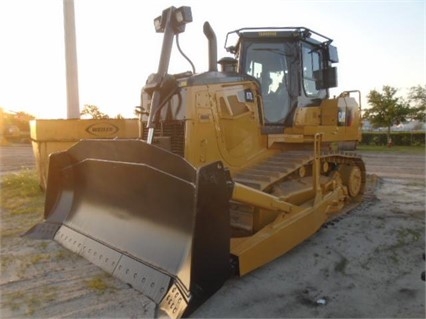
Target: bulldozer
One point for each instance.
(232, 168)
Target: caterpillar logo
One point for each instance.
(102, 129)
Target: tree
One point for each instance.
(21, 120)
(14, 126)
(386, 109)
(93, 111)
(417, 100)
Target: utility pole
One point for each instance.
(73, 103)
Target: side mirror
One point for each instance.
(333, 57)
(325, 78)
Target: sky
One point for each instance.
(379, 43)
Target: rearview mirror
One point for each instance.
(325, 78)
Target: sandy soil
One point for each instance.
(366, 264)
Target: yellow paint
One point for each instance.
(48, 136)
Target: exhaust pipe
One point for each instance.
(211, 37)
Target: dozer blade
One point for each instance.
(144, 215)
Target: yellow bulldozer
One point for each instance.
(232, 169)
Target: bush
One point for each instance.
(398, 138)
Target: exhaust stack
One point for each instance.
(211, 37)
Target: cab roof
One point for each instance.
(296, 33)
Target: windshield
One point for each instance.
(271, 64)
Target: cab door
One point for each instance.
(238, 125)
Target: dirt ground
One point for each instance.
(366, 264)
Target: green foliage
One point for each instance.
(417, 100)
(15, 126)
(21, 193)
(97, 284)
(22, 120)
(21, 196)
(29, 302)
(18, 119)
(386, 109)
(394, 149)
(398, 138)
(93, 112)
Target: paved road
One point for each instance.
(410, 166)
(15, 157)
(18, 156)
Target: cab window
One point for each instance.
(268, 63)
(311, 63)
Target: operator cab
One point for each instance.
(292, 66)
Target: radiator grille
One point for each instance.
(173, 129)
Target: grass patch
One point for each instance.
(29, 302)
(404, 237)
(21, 202)
(394, 149)
(6, 261)
(407, 236)
(97, 284)
(63, 254)
(21, 193)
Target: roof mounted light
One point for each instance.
(178, 19)
(157, 24)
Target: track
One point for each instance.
(288, 175)
(295, 164)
